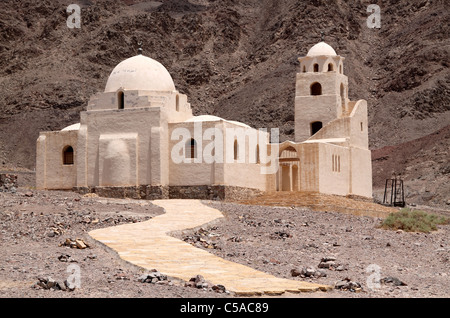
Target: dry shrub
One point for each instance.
(413, 221)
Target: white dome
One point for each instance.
(321, 48)
(140, 73)
(203, 118)
(206, 118)
(72, 127)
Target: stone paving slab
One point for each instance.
(148, 245)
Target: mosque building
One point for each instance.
(139, 139)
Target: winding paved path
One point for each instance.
(148, 245)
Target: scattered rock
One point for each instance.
(308, 272)
(92, 256)
(219, 289)
(64, 258)
(205, 238)
(154, 277)
(8, 183)
(295, 272)
(55, 231)
(121, 276)
(392, 280)
(49, 283)
(328, 259)
(78, 243)
(236, 239)
(280, 235)
(197, 282)
(347, 284)
(328, 265)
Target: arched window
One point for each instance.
(68, 155)
(191, 149)
(304, 69)
(330, 67)
(316, 89)
(236, 150)
(177, 103)
(342, 93)
(316, 67)
(121, 100)
(340, 68)
(315, 127)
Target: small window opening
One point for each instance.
(316, 89)
(330, 67)
(236, 150)
(336, 163)
(361, 126)
(340, 69)
(191, 149)
(315, 127)
(304, 69)
(257, 154)
(177, 102)
(121, 100)
(316, 67)
(68, 155)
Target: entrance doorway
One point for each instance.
(288, 174)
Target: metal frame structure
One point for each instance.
(397, 194)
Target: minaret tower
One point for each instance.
(321, 93)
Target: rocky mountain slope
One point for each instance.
(235, 59)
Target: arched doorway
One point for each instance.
(288, 174)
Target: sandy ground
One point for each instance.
(277, 240)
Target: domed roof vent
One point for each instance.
(140, 73)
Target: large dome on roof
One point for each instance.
(321, 48)
(140, 73)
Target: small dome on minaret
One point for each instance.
(321, 49)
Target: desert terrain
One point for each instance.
(282, 241)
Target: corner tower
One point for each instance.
(321, 92)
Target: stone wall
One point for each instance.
(217, 192)
(148, 192)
